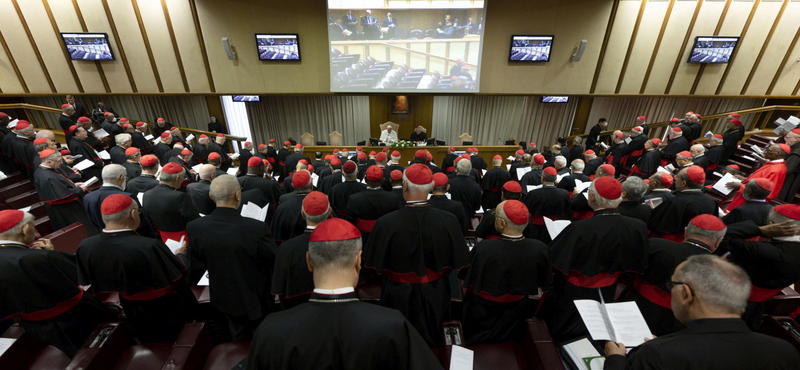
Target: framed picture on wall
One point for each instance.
(400, 105)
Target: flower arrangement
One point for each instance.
(402, 144)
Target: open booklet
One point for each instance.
(620, 322)
(720, 185)
(252, 210)
(555, 227)
(581, 354)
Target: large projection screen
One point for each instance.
(405, 46)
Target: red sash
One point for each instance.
(600, 280)
(653, 293)
(365, 225)
(539, 220)
(491, 236)
(505, 298)
(149, 294)
(758, 294)
(449, 169)
(412, 278)
(610, 159)
(635, 170)
(174, 235)
(493, 190)
(636, 153)
(678, 238)
(49, 313)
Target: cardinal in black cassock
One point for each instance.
(792, 182)
(347, 334)
(547, 201)
(649, 162)
(590, 255)
(40, 289)
(415, 248)
(730, 139)
(288, 221)
(448, 164)
(486, 228)
(61, 197)
(366, 207)
(145, 181)
(169, 210)
(340, 194)
(502, 274)
(670, 218)
(492, 182)
(756, 207)
(439, 200)
(150, 279)
(677, 144)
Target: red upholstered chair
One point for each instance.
(69, 238)
(48, 358)
(191, 348)
(144, 356)
(24, 348)
(782, 327)
(103, 348)
(226, 355)
(43, 225)
(783, 304)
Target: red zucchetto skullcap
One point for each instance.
(708, 222)
(386, 149)
(642, 118)
(718, 136)
(335, 151)
(380, 157)
(538, 159)
(149, 160)
(428, 156)
(271, 140)
(512, 187)
(315, 203)
(656, 142)
(311, 168)
(469, 150)
(696, 174)
(362, 155)
(336, 162)
(789, 210)
(395, 154)
(123, 119)
(637, 129)
(84, 119)
(107, 113)
(3, 114)
(22, 124)
(452, 149)
(532, 143)
(551, 171)
(677, 129)
(372, 153)
(64, 151)
(666, 180)
(374, 173)
(253, 161)
(520, 152)
(334, 229)
(10, 218)
(396, 175)
(516, 211)
(115, 203)
(359, 148)
(589, 152)
(177, 145)
(303, 161)
(608, 169)
(160, 119)
(213, 155)
(764, 183)
(187, 152)
(419, 174)
(646, 181)
(40, 140)
(734, 167)
(300, 179)
(132, 151)
(349, 167)
(420, 154)
(736, 122)
(786, 149)
(735, 115)
(439, 179)
(497, 157)
(458, 159)
(465, 156)
(125, 126)
(608, 188)
(65, 106)
(165, 135)
(329, 157)
(46, 153)
(796, 131)
(142, 124)
(220, 135)
(620, 135)
(475, 150)
(261, 146)
(674, 120)
(287, 143)
(172, 168)
(697, 115)
(685, 154)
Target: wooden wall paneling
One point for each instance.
(165, 55)
(627, 12)
(657, 45)
(680, 19)
(34, 45)
(580, 123)
(707, 20)
(645, 45)
(606, 38)
(631, 44)
(736, 51)
(202, 45)
(778, 41)
(9, 68)
(738, 16)
(84, 28)
(686, 41)
(791, 51)
(66, 18)
(380, 111)
(174, 40)
(22, 50)
(147, 45)
(64, 51)
(136, 57)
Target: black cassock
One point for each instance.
(347, 334)
(648, 164)
(465, 190)
(169, 211)
(366, 207)
(714, 154)
(24, 152)
(579, 204)
(415, 248)
(568, 182)
(492, 185)
(730, 141)
(287, 221)
(340, 195)
(225, 161)
(117, 154)
(150, 280)
(532, 178)
(272, 191)
(239, 269)
(591, 167)
(547, 201)
(616, 157)
(132, 170)
(674, 147)
(61, 199)
(40, 291)
(448, 163)
(451, 206)
(792, 182)
(587, 255)
(754, 210)
(664, 194)
(501, 275)
(650, 290)
(201, 153)
(80, 147)
(141, 184)
(710, 344)
(327, 183)
(478, 163)
(635, 149)
(162, 151)
(291, 280)
(673, 214)
(244, 157)
(635, 209)
(138, 141)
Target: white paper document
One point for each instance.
(100, 133)
(190, 137)
(604, 146)
(3, 176)
(530, 188)
(233, 155)
(315, 178)
(786, 125)
(483, 172)
(149, 137)
(521, 171)
(580, 186)
(26, 209)
(555, 227)
(91, 181)
(558, 178)
(5, 344)
(82, 165)
(628, 140)
(584, 355)
(508, 167)
(709, 135)
(654, 202)
(104, 155)
(511, 158)
(174, 245)
(232, 171)
(669, 167)
(461, 358)
(196, 168)
(757, 150)
(619, 322)
(140, 196)
(480, 210)
(204, 280)
(13, 123)
(252, 210)
(720, 185)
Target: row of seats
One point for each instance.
(83, 54)
(363, 74)
(700, 57)
(517, 55)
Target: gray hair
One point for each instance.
(720, 284)
(351, 176)
(577, 165)
(500, 213)
(24, 131)
(634, 188)
(601, 202)
(119, 216)
(692, 230)
(134, 155)
(223, 188)
(171, 177)
(464, 167)
(122, 138)
(561, 161)
(339, 254)
(47, 134)
(526, 158)
(777, 218)
(15, 231)
(415, 188)
(112, 172)
(577, 140)
(700, 147)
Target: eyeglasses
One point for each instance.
(671, 284)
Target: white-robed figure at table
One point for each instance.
(389, 135)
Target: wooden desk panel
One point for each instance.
(439, 152)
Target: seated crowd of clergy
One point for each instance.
(701, 276)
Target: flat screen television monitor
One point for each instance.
(273, 46)
(398, 47)
(555, 99)
(244, 98)
(530, 48)
(87, 46)
(713, 49)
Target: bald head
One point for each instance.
(697, 149)
(46, 134)
(225, 191)
(207, 172)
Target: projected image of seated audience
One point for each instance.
(530, 48)
(87, 46)
(405, 46)
(713, 49)
(277, 47)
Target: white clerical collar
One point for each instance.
(795, 238)
(397, 187)
(116, 231)
(776, 161)
(336, 291)
(12, 242)
(108, 185)
(310, 227)
(699, 155)
(757, 200)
